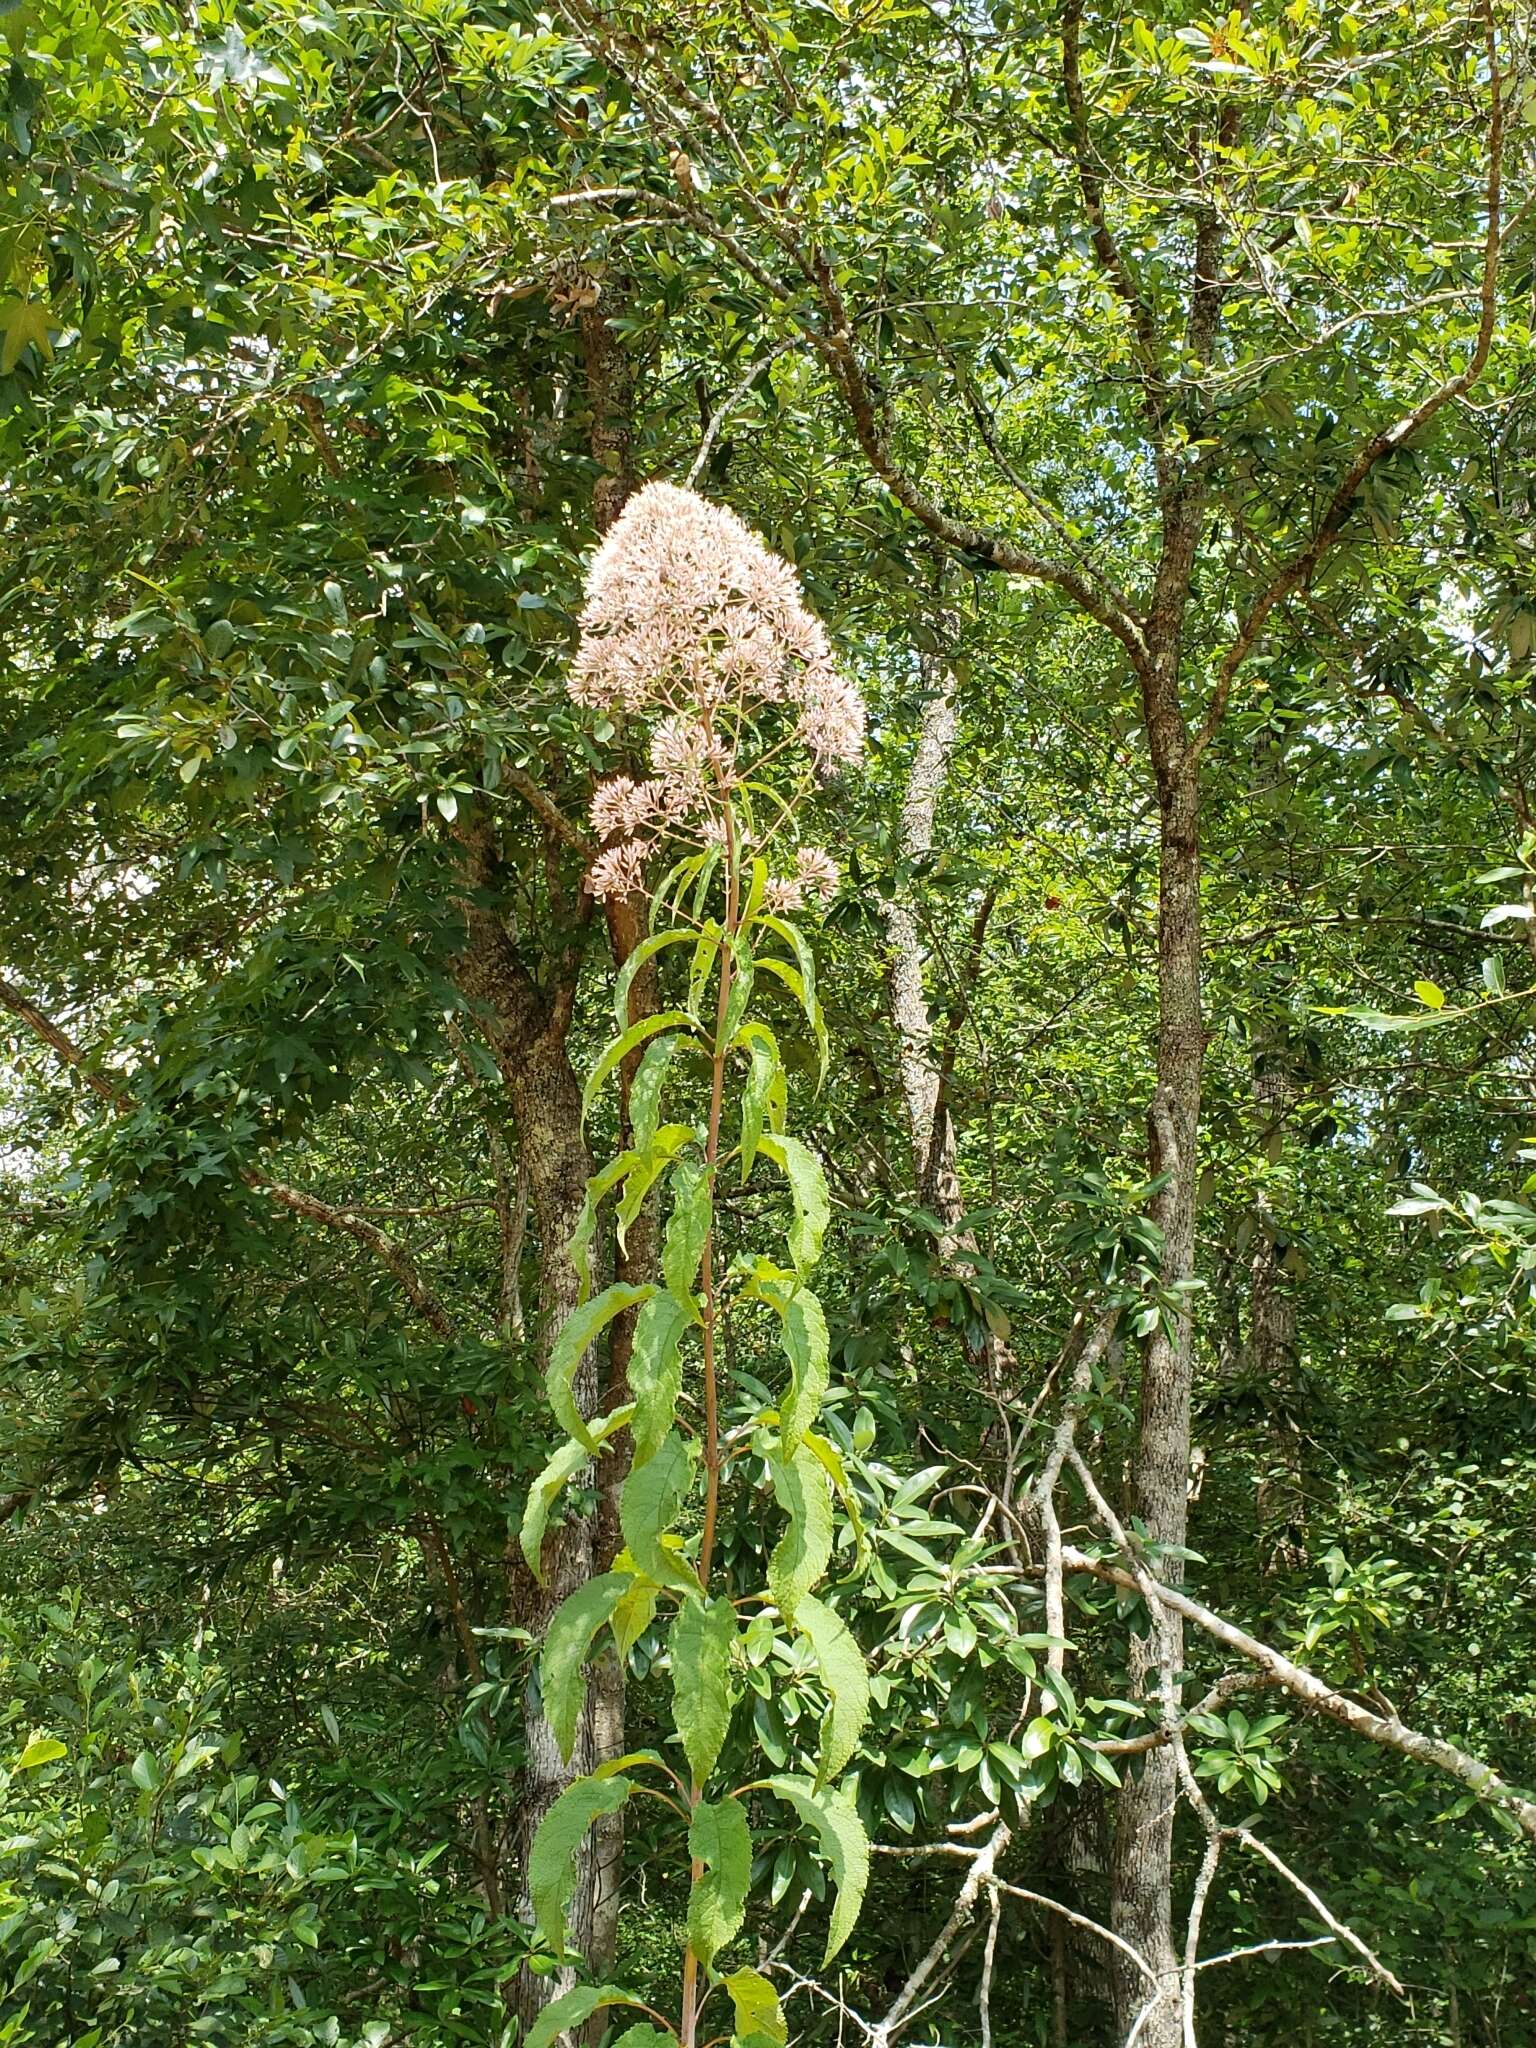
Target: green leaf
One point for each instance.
(656, 1373)
(804, 1336)
(764, 1097)
(740, 993)
(1430, 994)
(805, 959)
(844, 1846)
(22, 321)
(648, 1507)
(687, 1230)
(803, 1551)
(794, 981)
(621, 1047)
(580, 1328)
(636, 1610)
(841, 1668)
(552, 1857)
(570, 1459)
(658, 1155)
(573, 2008)
(757, 2005)
(586, 1223)
(42, 1749)
(702, 1638)
(645, 1089)
(644, 2036)
(647, 949)
(567, 1645)
(808, 1190)
(719, 1839)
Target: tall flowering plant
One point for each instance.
(694, 627)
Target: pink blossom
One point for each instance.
(620, 805)
(617, 869)
(688, 611)
(783, 893)
(817, 872)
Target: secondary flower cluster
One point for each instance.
(692, 621)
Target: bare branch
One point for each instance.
(1388, 1732)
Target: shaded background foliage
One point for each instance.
(316, 368)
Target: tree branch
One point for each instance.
(1297, 573)
(388, 1250)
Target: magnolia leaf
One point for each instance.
(552, 1857)
(808, 1190)
(757, 2005)
(42, 1749)
(563, 2015)
(841, 1668)
(570, 1459)
(648, 1507)
(655, 1373)
(581, 1326)
(720, 1840)
(702, 1638)
(803, 1551)
(645, 1089)
(844, 1847)
(567, 1645)
(804, 1337)
(621, 1047)
(687, 1230)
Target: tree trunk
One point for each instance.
(930, 1127)
(1141, 1866)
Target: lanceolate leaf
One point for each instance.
(840, 1665)
(844, 1845)
(645, 1089)
(552, 1858)
(570, 1459)
(701, 1642)
(803, 1551)
(647, 1509)
(647, 949)
(719, 1838)
(757, 2005)
(636, 1609)
(763, 1098)
(655, 1373)
(572, 2008)
(627, 1042)
(578, 1250)
(687, 1230)
(567, 1643)
(808, 1191)
(570, 1347)
(805, 1345)
(657, 1156)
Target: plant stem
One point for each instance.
(690, 2012)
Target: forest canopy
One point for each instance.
(767, 957)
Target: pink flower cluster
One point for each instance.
(692, 621)
(816, 874)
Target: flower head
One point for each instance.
(692, 621)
